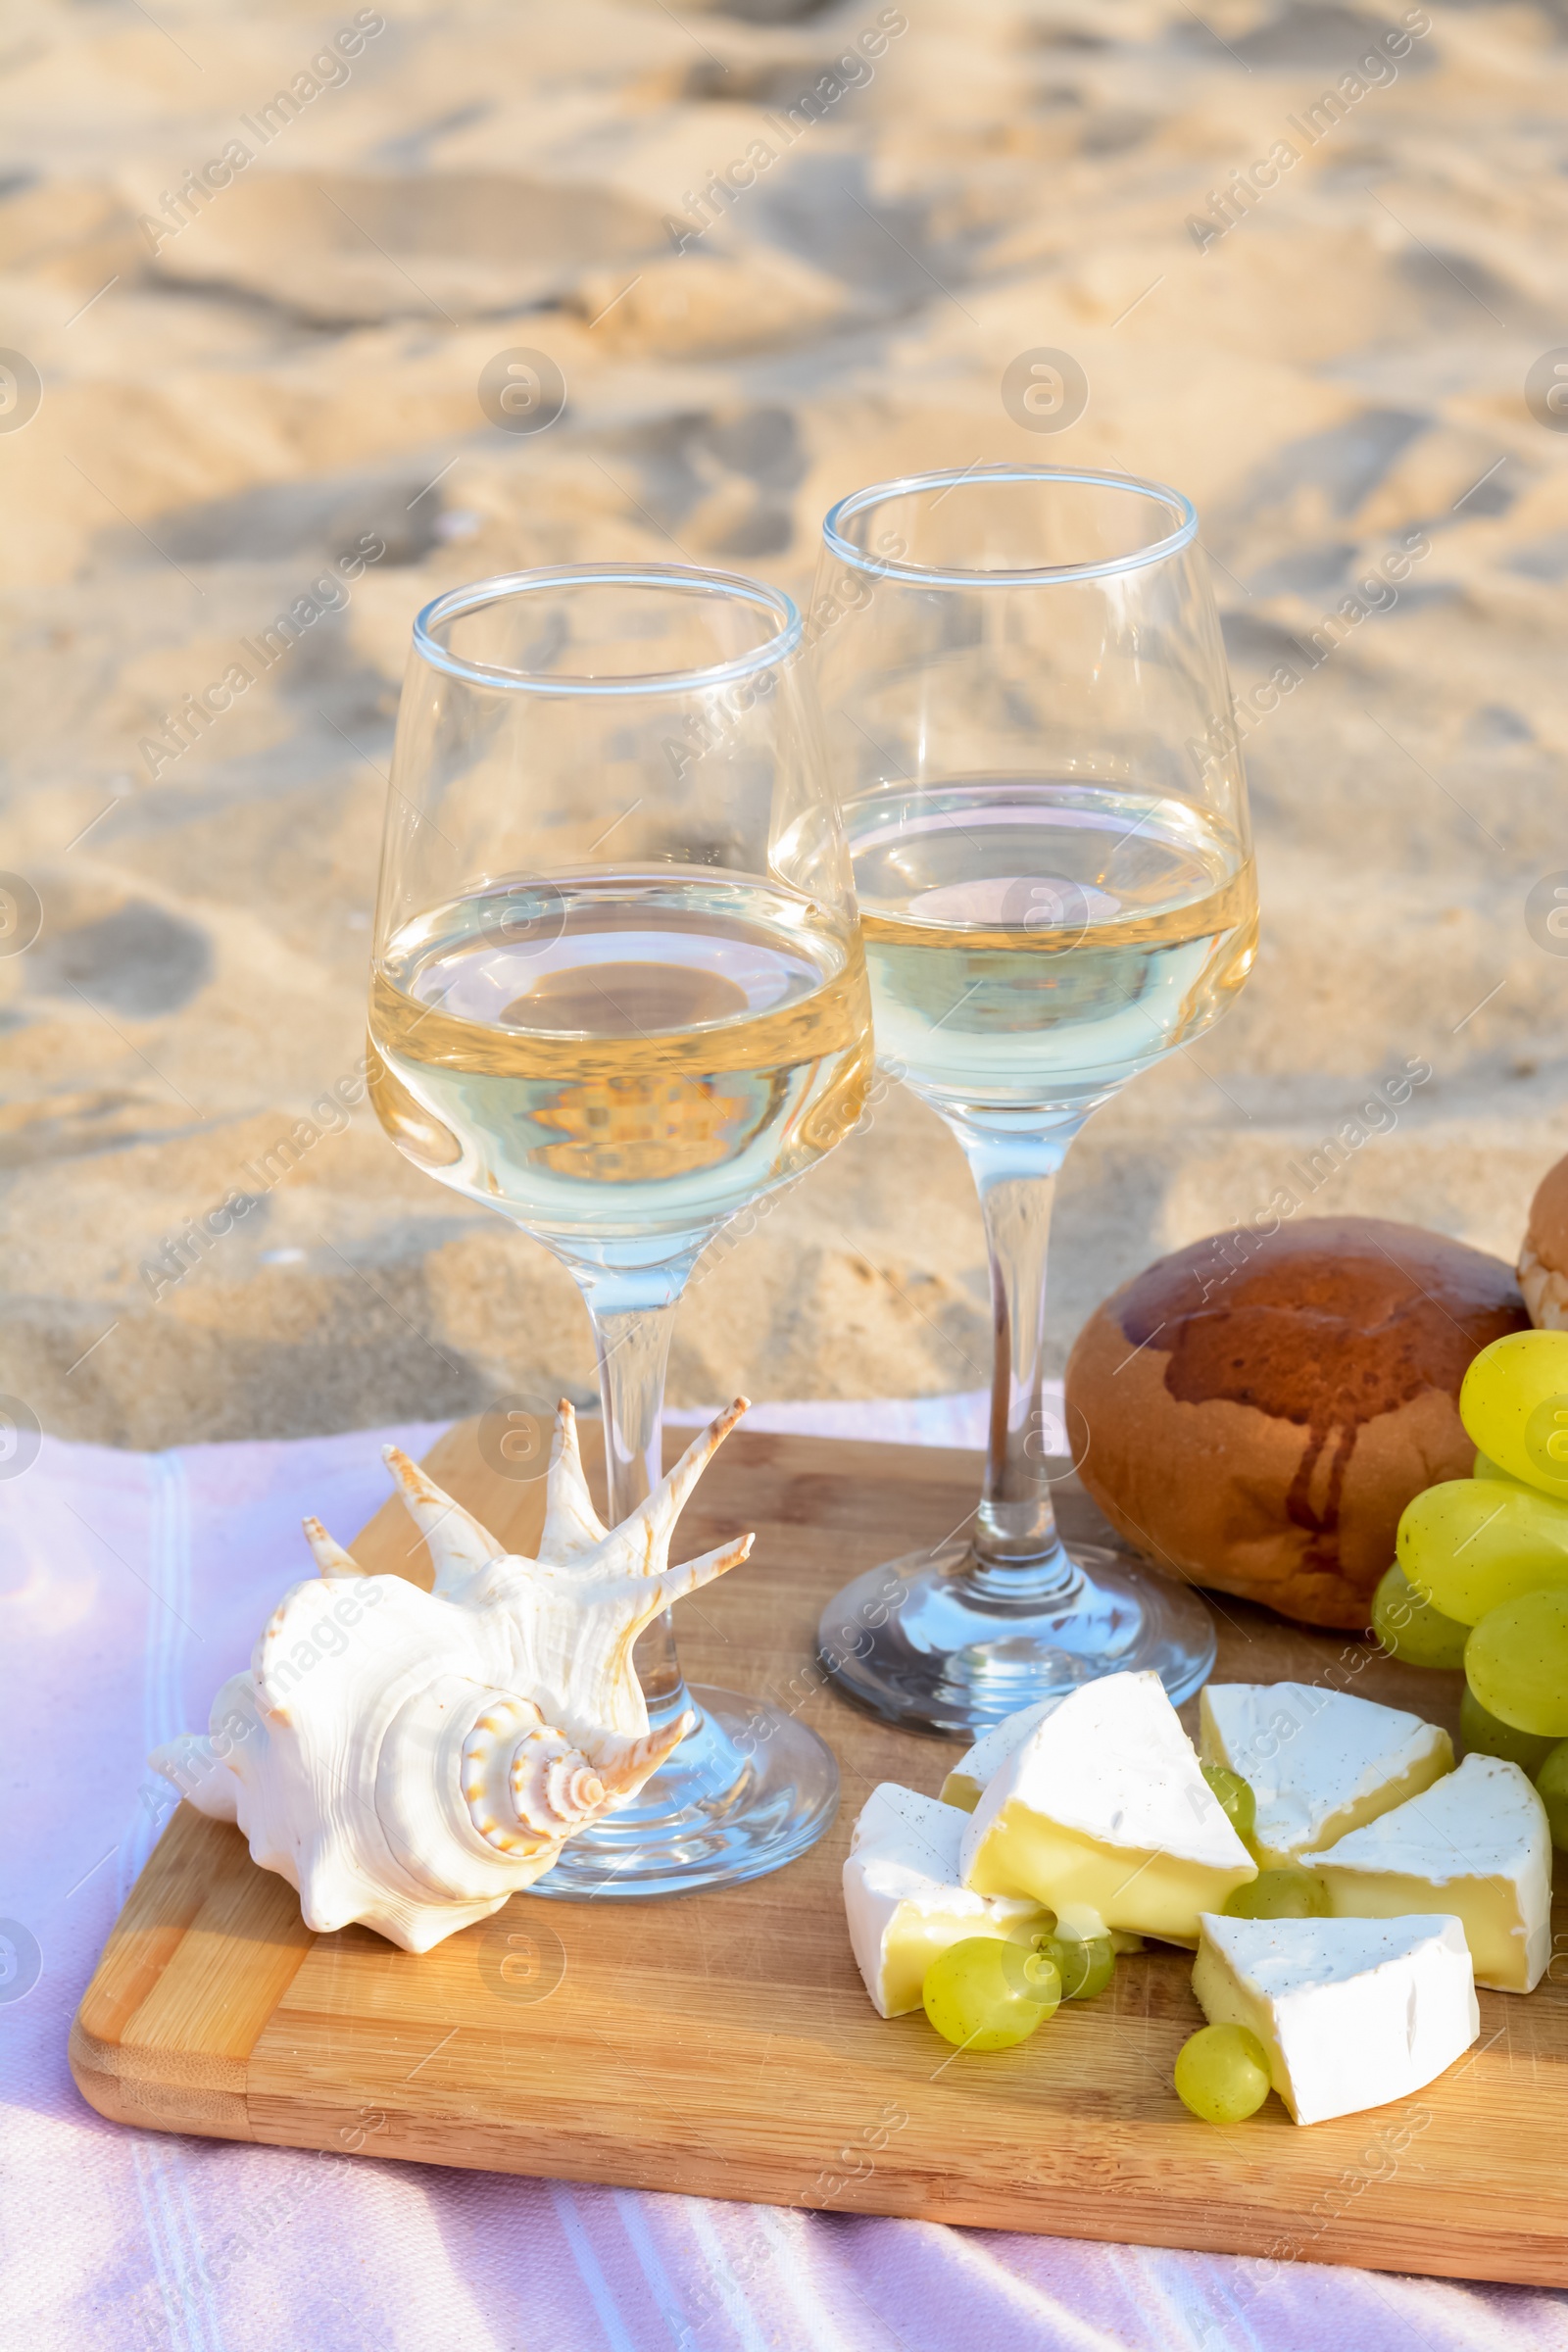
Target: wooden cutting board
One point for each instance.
(722, 2044)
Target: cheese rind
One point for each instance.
(893, 1814)
(1319, 1763)
(1352, 2012)
(904, 1901)
(1103, 1815)
(967, 1783)
(1476, 1844)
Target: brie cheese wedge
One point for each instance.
(965, 1784)
(1319, 1763)
(903, 1899)
(1103, 1815)
(1476, 1844)
(1352, 2012)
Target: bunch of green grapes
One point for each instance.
(1482, 1735)
(1408, 1626)
(1483, 1562)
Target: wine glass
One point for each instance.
(1030, 728)
(618, 993)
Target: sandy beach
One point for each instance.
(264, 274)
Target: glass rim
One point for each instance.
(1047, 575)
(502, 587)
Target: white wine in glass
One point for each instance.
(618, 995)
(1031, 939)
(1029, 717)
(675, 1047)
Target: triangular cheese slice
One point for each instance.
(903, 1898)
(965, 1784)
(1352, 2012)
(1104, 1815)
(1319, 1763)
(1478, 1844)
(895, 1815)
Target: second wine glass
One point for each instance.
(1031, 732)
(618, 995)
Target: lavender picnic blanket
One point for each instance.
(130, 1585)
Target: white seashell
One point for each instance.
(410, 1759)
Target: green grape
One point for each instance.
(1514, 1404)
(1552, 1783)
(1485, 1467)
(1410, 1628)
(1236, 1798)
(1083, 1963)
(1471, 1542)
(1482, 1735)
(1280, 1894)
(1222, 2074)
(1516, 1662)
(986, 1996)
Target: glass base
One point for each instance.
(953, 1658)
(745, 1793)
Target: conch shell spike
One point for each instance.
(652, 1522)
(328, 1554)
(571, 1526)
(673, 1584)
(460, 1546)
(624, 1764)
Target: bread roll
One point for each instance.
(1257, 1413)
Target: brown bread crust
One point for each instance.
(1257, 1418)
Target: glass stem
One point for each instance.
(633, 1314)
(1017, 1555)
